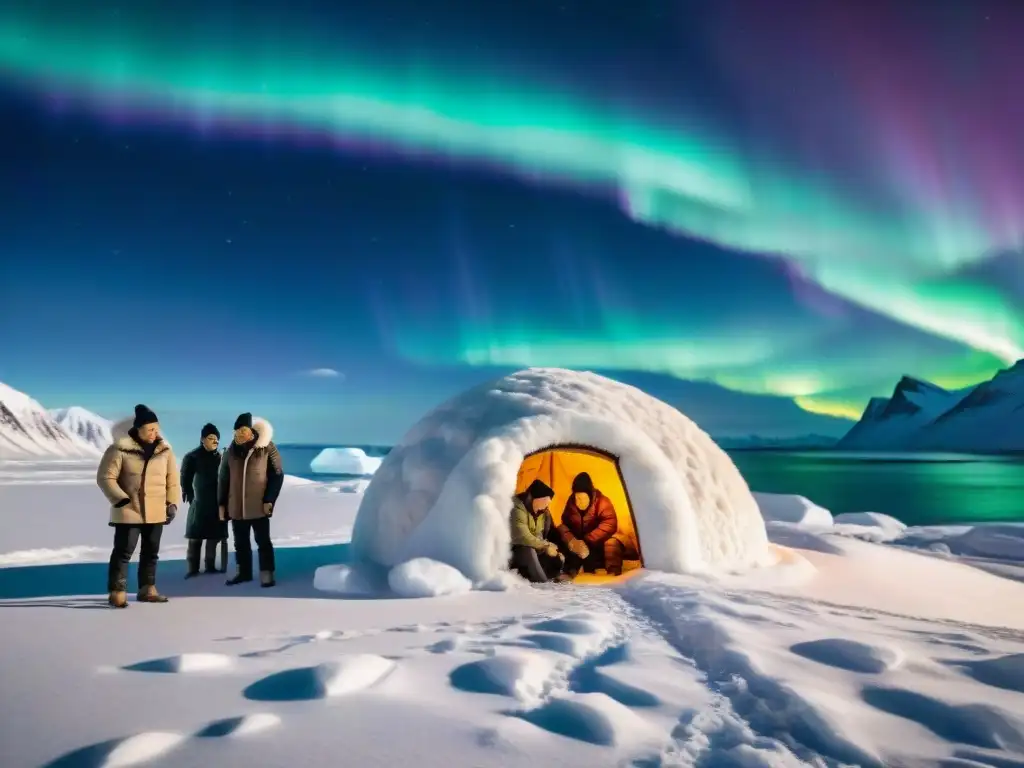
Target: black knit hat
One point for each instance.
(540, 490)
(243, 420)
(143, 416)
(583, 484)
(210, 429)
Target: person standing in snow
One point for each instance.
(199, 474)
(139, 477)
(534, 555)
(250, 480)
(588, 530)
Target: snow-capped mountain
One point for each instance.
(893, 422)
(93, 429)
(985, 418)
(28, 431)
(990, 418)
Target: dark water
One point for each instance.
(918, 489)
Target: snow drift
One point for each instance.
(445, 491)
(790, 508)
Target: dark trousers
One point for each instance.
(534, 565)
(126, 538)
(195, 547)
(243, 546)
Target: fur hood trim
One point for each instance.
(125, 442)
(264, 429)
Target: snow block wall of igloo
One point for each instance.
(445, 491)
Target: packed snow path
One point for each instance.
(756, 716)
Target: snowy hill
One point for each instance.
(990, 418)
(894, 422)
(27, 430)
(93, 429)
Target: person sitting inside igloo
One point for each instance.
(535, 555)
(588, 531)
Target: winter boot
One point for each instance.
(210, 562)
(192, 558)
(150, 595)
(240, 577)
(223, 556)
(118, 600)
(267, 579)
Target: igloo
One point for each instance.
(444, 492)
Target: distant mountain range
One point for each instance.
(29, 431)
(760, 442)
(920, 416)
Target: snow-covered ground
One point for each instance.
(68, 515)
(898, 648)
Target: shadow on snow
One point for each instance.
(294, 574)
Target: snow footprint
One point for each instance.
(525, 676)
(851, 655)
(146, 747)
(977, 725)
(239, 726)
(347, 675)
(578, 635)
(1006, 672)
(185, 663)
(589, 677)
(591, 717)
(121, 753)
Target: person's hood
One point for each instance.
(264, 432)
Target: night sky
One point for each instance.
(763, 211)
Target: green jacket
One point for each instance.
(529, 530)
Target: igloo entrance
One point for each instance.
(614, 546)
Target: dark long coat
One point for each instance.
(199, 487)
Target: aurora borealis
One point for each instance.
(804, 203)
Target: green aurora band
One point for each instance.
(682, 178)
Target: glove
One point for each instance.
(268, 509)
(172, 510)
(552, 550)
(579, 548)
